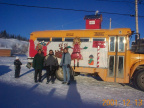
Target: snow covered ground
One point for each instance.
(84, 92)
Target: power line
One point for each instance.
(116, 1)
(139, 1)
(45, 7)
(67, 9)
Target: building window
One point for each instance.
(121, 44)
(111, 66)
(69, 39)
(84, 39)
(120, 69)
(57, 39)
(99, 39)
(112, 44)
(43, 39)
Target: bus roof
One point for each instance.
(82, 33)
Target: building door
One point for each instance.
(116, 58)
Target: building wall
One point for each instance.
(93, 24)
(5, 52)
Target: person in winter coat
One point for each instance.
(17, 64)
(51, 64)
(38, 65)
(65, 64)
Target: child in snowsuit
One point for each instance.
(17, 64)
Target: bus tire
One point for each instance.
(135, 80)
(59, 74)
(139, 80)
(72, 73)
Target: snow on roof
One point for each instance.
(93, 16)
(5, 48)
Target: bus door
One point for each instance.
(116, 58)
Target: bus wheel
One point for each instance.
(72, 73)
(59, 74)
(139, 80)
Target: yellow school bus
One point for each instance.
(105, 52)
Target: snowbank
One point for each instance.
(17, 46)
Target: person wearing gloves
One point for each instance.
(65, 64)
(17, 64)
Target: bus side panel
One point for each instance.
(89, 55)
(32, 51)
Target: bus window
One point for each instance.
(69, 39)
(43, 39)
(120, 67)
(112, 44)
(111, 66)
(84, 39)
(121, 44)
(99, 39)
(57, 39)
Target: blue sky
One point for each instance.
(24, 20)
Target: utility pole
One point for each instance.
(136, 20)
(110, 24)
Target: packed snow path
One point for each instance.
(83, 92)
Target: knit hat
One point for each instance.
(17, 57)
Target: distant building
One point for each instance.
(5, 51)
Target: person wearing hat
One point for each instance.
(17, 64)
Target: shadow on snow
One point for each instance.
(26, 72)
(4, 69)
(22, 97)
